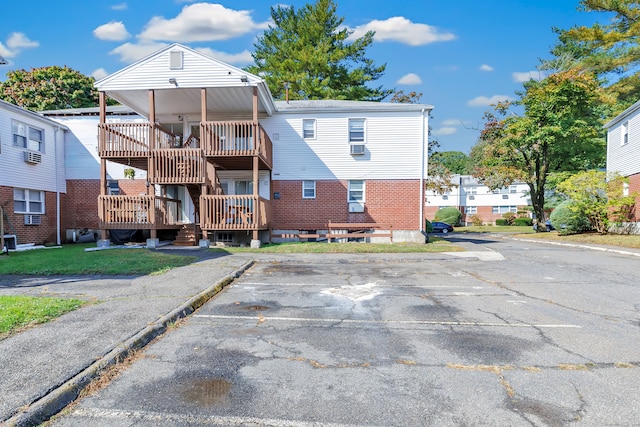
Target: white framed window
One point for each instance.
(356, 191)
(625, 134)
(471, 210)
(471, 190)
(513, 189)
(26, 136)
(309, 128)
(356, 131)
(308, 189)
(625, 189)
(503, 209)
(28, 201)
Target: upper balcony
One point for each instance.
(231, 143)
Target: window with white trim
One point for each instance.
(503, 209)
(471, 210)
(356, 191)
(308, 189)
(26, 136)
(625, 134)
(28, 201)
(309, 128)
(356, 131)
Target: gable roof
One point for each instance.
(177, 73)
(33, 115)
(620, 117)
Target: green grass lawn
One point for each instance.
(72, 259)
(18, 312)
(436, 245)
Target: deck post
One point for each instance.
(103, 166)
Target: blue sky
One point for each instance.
(461, 54)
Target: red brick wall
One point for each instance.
(80, 209)
(390, 201)
(132, 187)
(38, 234)
(634, 187)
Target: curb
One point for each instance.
(575, 245)
(57, 399)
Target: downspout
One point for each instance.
(55, 152)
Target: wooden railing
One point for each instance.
(235, 139)
(234, 212)
(132, 139)
(138, 212)
(184, 166)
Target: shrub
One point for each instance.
(476, 220)
(523, 222)
(509, 217)
(450, 215)
(501, 221)
(568, 221)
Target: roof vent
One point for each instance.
(176, 60)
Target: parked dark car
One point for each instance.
(547, 223)
(440, 227)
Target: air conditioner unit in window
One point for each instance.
(356, 207)
(472, 197)
(505, 196)
(32, 157)
(32, 219)
(357, 149)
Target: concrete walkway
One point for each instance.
(44, 368)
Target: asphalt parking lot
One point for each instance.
(374, 341)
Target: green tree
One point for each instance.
(560, 130)
(455, 161)
(449, 214)
(49, 88)
(599, 197)
(307, 50)
(610, 50)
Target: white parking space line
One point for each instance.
(385, 322)
(126, 416)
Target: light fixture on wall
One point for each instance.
(173, 81)
(244, 79)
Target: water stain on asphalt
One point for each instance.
(255, 307)
(207, 392)
(482, 347)
(550, 414)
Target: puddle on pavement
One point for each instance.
(207, 392)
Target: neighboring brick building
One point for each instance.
(623, 154)
(473, 198)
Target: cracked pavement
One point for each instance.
(538, 336)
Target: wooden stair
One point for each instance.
(188, 235)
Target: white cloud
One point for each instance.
(15, 44)
(20, 41)
(485, 67)
(521, 77)
(119, 6)
(446, 130)
(402, 30)
(201, 22)
(113, 31)
(130, 52)
(242, 58)
(452, 122)
(99, 73)
(484, 101)
(410, 79)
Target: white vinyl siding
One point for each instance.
(394, 147)
(49, 173)
(308, 189)
(623, 145)
(28, 201)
